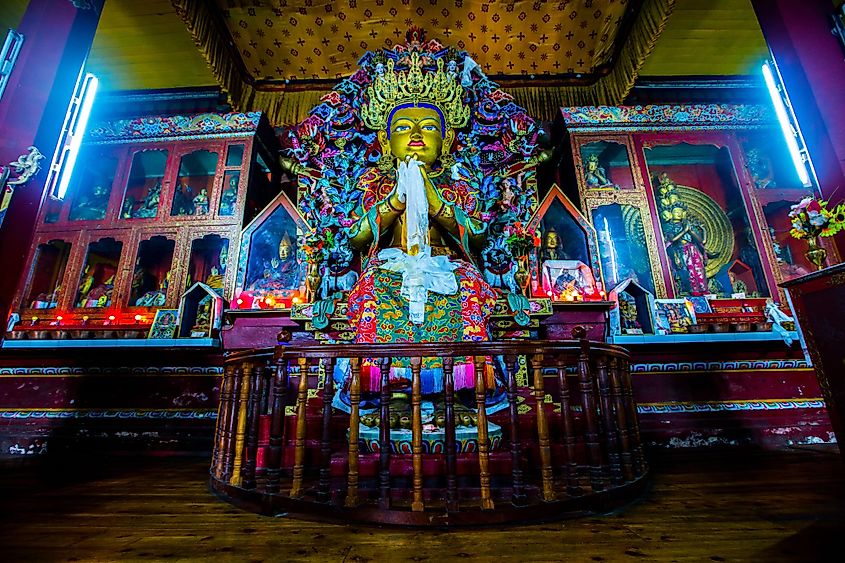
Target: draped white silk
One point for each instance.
(420, 271)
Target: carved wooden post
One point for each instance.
(240, 433)
(224, 413)
(570, 468)
(621, 418)
(299, 446)
(384, 436)
(231, 427)
(518, 497)
(588, 405)
(416, 432)
(543, 428)
(324, 488)
(277, 426)
(611, 436)
(450, 442)
(354, 426)
(640, 465)
(483, 442)
(254, 416)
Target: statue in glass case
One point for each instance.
(91, 205)
(201, 202)
(229, 197)
(595, 175)
(685, 238)
(551, 246)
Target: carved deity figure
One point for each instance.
(594, 173)
(685, 238)
(551, 246)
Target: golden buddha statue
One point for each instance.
(551, 246)
(420, 226)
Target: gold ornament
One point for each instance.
(393, 89)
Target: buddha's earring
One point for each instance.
(447, 160)
(385, 162)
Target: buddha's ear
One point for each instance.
(448, 138)
(383, 141)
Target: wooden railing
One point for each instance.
(584, 456)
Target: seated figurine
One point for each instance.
(201, 202)
(91, 205)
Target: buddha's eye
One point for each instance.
(401, 128)
(429, 127)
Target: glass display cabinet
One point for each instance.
(687, 201)
(155, 205)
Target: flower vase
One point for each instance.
(522, 276)
(816, 254)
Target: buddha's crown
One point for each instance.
(391, 89)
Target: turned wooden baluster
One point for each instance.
(450, 442)
(483, 441)
(611, 435)
(224, 412)
(299, 445)
(277, 426)
(416, 432)
(567, 431)
(384, 436)
(354, 427)
(232, 425)
(591, 427)
(240, 433)
(640, 464)
(518, 496)
(324, 488)
(621, 419)
(543, 429)
(254, 416)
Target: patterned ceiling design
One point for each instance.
(297, 40)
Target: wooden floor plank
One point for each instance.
(702, 506)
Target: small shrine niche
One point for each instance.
(51, 259)
(143, 187)
(194, 183)
(98, 274)
(742, 280)
(271, 273)
(633, 312)
(208, 262)
(151, 276)
(568, 258)
(92, 185)
(605, 166)
(200, 312)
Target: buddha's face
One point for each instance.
(416, 131)
(678, 214)
(285, 249)
(552, 239)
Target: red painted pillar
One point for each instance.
(812, 63)
(57, 38)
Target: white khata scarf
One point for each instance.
(421, 272)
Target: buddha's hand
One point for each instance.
(409, 170)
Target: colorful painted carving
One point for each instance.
(419, 162)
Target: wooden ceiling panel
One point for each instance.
(145, 45)
(708, 37)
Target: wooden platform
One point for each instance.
(703, 506)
